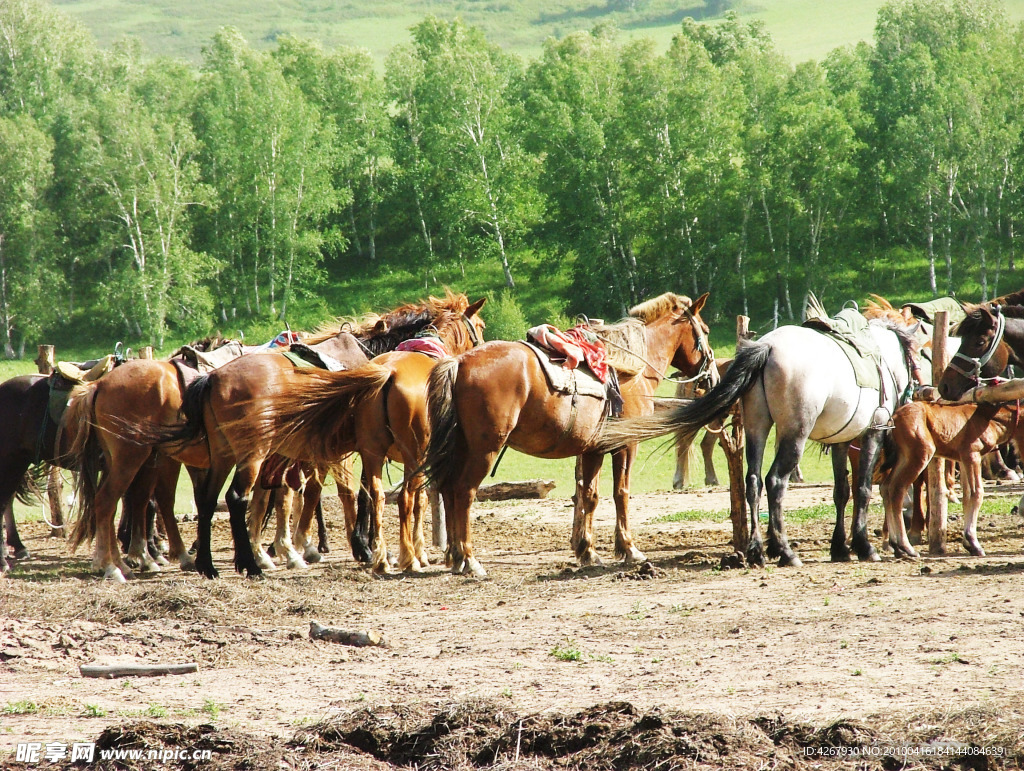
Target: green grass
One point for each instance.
(803, 29)
(569, 651)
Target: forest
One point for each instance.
(151, 200)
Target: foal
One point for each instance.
(960, 432)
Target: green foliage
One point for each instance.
(505, 319)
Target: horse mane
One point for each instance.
(656, 307)
(910, 345)
(975, 315)
(327, 330)
(406, 321)
(210, 342)
(879, 308)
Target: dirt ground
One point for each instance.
(670, 664)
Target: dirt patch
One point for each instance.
(671, 663)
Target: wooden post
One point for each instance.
(438, 526)
(146, 352)
(936, 477)
(732, 441)
(46, 361)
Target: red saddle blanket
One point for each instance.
(576, 345)
(431, 346)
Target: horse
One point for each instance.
(802, 382)
(959, 432)
(497, 395)
(223, 429)
(991, 339)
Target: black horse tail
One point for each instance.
(746, 368)
(441, 464)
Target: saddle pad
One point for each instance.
(298, 360)
(313, 357)
(87, 372)
(926, 310)
(849, 329)
(567, 381)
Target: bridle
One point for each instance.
(707, 368)
(471, 328)
(971, 366)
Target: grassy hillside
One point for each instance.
(803, 28)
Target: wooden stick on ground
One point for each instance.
(358, 639)
(135, 670)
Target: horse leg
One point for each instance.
(707, 450)
(371, 499)
(259, 508)
(684, 447)
(622, 465)
(588, 470)
(758, 423)
(135, 512)
(420, 507)
(786, 459)
(237, 498)
(917, 515)
(974, 492)
(870, 447)
(164, 494)
(21, 551)
(207, 490)
(476, 464)
(838, 550)
(113, 487)
(310, 507)
(285, 506)
(914, 453)
(356, 528)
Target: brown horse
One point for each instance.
(241, 414)
(392, 423)
(959, 432)
(132, 417)
(497, 395)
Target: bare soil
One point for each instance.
(671, 664)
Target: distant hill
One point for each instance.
(803, 29)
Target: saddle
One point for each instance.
(301, 355)
(578, 381)
(191, 363)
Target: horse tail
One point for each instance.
(80, 451)
(687, 419)
(887, 457)
(440, 464)
(313, 414)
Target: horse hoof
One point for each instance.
(475, 568)
(297, 563)
(973, 547)
(207, 570)
(187, 563)
(22, 554)
(311, 555)
(114, 574)
(590, 557)
(264, 561)
(160, 559)
(840, 555)
(424, 560)
(790, 561)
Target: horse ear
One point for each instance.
(380, 327)
(474, 309)
(699, 303)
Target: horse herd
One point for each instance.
(447, 420)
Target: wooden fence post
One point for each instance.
(146, 352)
(936, 477)
(732, 440)
(46, 361)
(438, 526)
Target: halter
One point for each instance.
(975, 364)
(707, 354)
(471, 328)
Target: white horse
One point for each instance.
(802, 382)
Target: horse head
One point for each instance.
(983, 354)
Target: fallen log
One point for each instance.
(109, 671)
(359, 639)
(500, 491)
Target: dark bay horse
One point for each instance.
(223, 400)
(498, 395)
(800, 381)
(991, 339)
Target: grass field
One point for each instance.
(803, 29)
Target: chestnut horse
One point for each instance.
(960, 432)
(991, 339)
(239, 415)
(497, 395)
(134, 416)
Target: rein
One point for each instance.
(471, 329)
(976, 363)
(707, 356)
